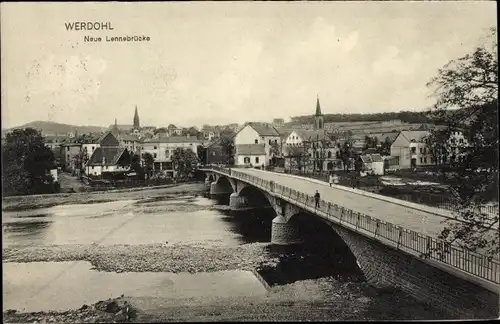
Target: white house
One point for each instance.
(251, 154)
(88, 149)
(255, 134)
(108, 157)
(410, 148)
(162, 149)
(108, 160)
(321, 150)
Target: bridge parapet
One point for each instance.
(414, 243)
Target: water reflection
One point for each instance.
(154, 220)
(26, 285)
(253, 225)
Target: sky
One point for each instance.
(218, 63)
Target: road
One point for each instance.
(418, 220)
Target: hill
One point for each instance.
(48, 127)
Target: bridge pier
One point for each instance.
(236, 201)
(283, 232)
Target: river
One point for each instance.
(179, 250)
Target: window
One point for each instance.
(154, 155)
(67, 148)
(93, 148)
(256, 141)
(421, 160)
(246, 159)
(461, 141)
(421, 150)
(154, 147)
(256, 159)
(92, 167)
(275, 141)
(329, 154)
(425, 159)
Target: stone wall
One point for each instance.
(384, 265)
(284, 233)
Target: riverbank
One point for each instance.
(297, 301)
(16, 203)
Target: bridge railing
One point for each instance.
(427, 247)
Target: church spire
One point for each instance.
(136, 119)
(318, 107)
(318, 117)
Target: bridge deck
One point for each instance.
(414, 219)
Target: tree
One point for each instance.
(345, 153)
(297, 156)
(470, 84)
(184, 161)
(26, 163)
(385, 148)
(135, 166)
(148, 163)
(228, 149)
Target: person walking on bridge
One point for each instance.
(316, 199)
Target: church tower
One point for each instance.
(136, 119)
(318, 117)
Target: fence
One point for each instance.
(423, 198)
(426, 246)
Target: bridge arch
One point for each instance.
(254, 196)
(322, 237)
(228, 184)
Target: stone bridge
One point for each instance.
(394, 242)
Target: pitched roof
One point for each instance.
(415, 135)
(103, 137)
(110, 154)
(250, 149)
(174, 139)
(284, 132)
(392, 136)
(264, 129)
(376, 158)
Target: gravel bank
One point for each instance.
(44, 201)
(116, 310)
(174, 258)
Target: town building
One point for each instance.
(216, 153)
(163, 148)
(109, 158)
(256, 134)
(88, 148)
(410, 149)
(252, 154)
(174, 130)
